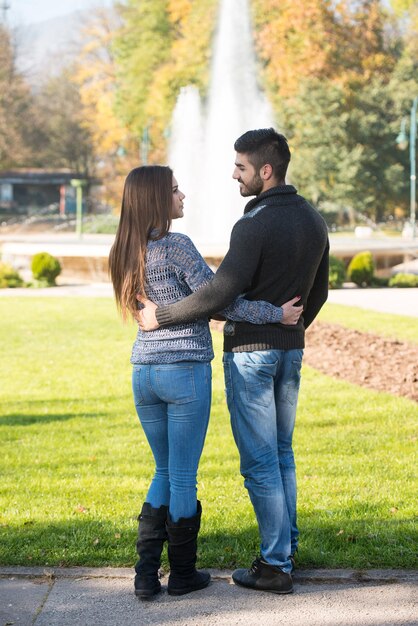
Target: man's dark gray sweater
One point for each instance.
(278, 250)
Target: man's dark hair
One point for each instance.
(264, 146)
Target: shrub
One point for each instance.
(380, 281)
(404, 280)
(336, 272)
(9, 277)
(45, 268)
(361, 269)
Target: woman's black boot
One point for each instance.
(182, 548)
(151, 537)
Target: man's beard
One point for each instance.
(253, 188)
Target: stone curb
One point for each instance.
(341, 576)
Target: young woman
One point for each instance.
(171, 370)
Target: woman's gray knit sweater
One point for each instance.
(174, 270)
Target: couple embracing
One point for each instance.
(269, 288)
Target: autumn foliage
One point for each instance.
(341, 76)
(161, 46)
(320, 39)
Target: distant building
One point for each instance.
(32, 191)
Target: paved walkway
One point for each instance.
(383, 300)
(69, 244)
(104, 597)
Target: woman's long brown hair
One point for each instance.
(146, 214)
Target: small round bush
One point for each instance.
(45, 268)
(9, 277)
(404, 280)
(380, 281)
(336, 272)
(361, 269)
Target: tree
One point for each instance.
(330, 68)
(160, 48)
(115, 149)
(344, 42)
(15, 107)
(95, 74)
(407, 11)
(60, 137)
(42, 129)
(296, 41)
(142, 47)
(343, 146)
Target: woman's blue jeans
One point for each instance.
(173, 405)
(262, 392)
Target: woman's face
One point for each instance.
(178, 197)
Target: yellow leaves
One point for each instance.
(191, 47)
(292, 43)
(95, 76)
(186, 62)
(179, 10)
(320, 39)
(92, 46)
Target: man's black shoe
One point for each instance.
(263, 577)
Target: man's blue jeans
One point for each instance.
(173, 405)
(262, 391)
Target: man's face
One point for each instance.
(250, 181)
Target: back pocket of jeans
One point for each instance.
(258, 381)
(176, 384)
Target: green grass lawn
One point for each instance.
(75, 465)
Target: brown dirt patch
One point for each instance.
(363, 358)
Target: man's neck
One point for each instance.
(269, 184)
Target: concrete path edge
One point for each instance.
(383, 576)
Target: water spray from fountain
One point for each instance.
(202, 139)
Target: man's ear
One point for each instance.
(266, 172)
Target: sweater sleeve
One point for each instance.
(253, 311)
(233, 278)
(194, 270)
(319, 292)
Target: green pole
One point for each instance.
(78, 184)
(79, 215)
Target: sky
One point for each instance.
(23, 12)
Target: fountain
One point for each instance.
(202, 139)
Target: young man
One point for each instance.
(278, 250)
